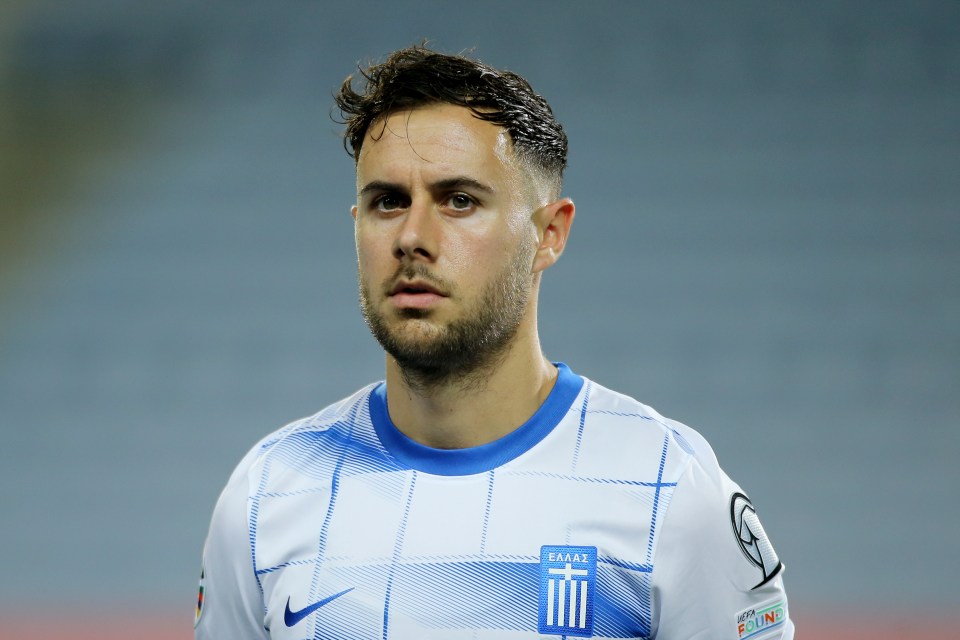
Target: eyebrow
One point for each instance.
(379, 186)
(456, 182)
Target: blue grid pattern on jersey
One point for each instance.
(444, 591)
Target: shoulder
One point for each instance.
(233, 598)
(298, 438)
(299, 446)
(713, 563)
(632, 429)
(702, 507)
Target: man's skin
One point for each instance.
(442, 195)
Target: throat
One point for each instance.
(467, 411)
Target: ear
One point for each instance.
(553, 223)
(353, 211)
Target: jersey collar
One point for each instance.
(462, 462)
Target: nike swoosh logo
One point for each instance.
(290, 618)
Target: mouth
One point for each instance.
(416, 287)
(415, 294)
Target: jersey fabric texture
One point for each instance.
(596, 518)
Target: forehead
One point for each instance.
(436, 138)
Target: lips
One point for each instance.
(415, 294)
(414, 287)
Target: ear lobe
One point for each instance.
(553, 223)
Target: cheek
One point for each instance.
(461, 253)
(371, 249)
(474, 260)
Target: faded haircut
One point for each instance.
(418, 76)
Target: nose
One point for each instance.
(415, 239)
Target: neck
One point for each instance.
(475, 408)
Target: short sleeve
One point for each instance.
(231, 603)
(716, 575)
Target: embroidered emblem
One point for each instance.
(568, 580)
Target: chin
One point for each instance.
(417, 333)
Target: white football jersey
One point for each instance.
(596, 518)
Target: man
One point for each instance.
(481, 491)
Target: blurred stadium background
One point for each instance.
(767, 248)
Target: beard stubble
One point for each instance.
(462, 351)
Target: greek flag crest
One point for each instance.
(568, 581)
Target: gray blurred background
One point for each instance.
(767, 248)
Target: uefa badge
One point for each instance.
(568, 581)
(753, 539)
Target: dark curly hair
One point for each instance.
(418, 76)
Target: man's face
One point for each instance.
(445, 241)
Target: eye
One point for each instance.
(388, 202)
(461, 202)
